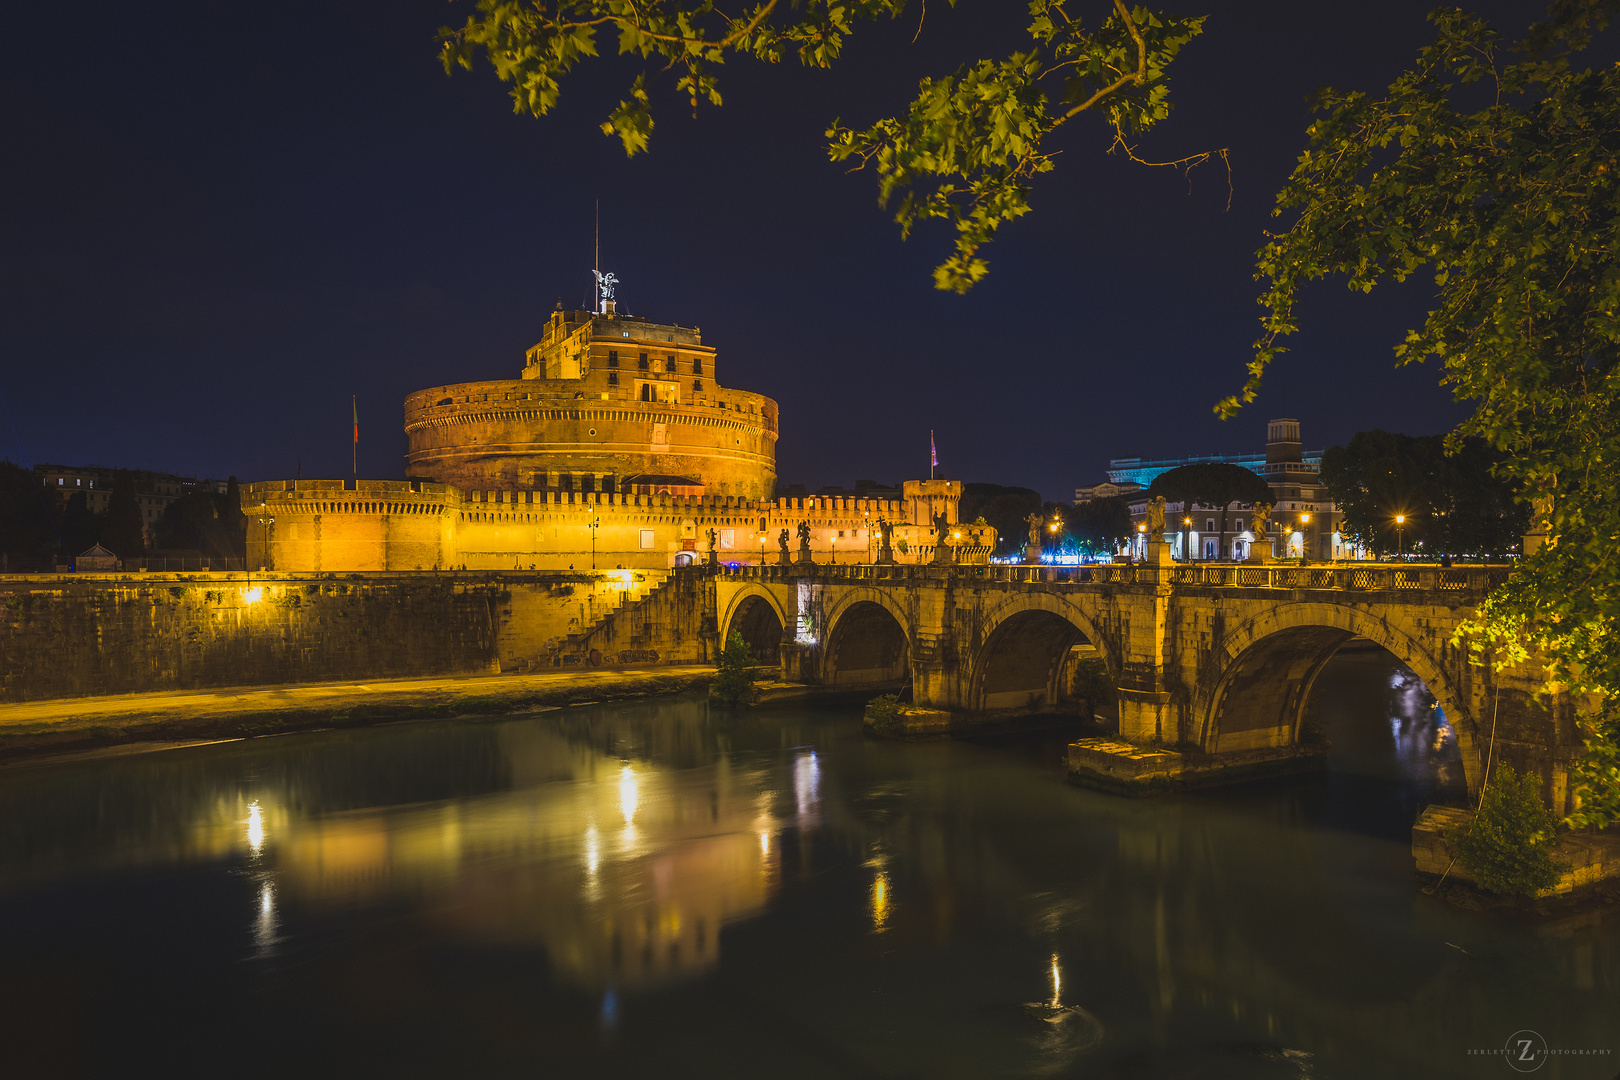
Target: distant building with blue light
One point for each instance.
(1304, 520)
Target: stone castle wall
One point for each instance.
(73, 635)
(526, 433)
(387, 525)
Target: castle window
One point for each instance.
(697, 384)
(669, 363)
(646, 392)
(697, 366)
(642, 363)
(613, 378)
(613, 358)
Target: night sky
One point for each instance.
(220, 220)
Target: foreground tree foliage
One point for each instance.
(1507, 845)
(734, 685)
(1495, 168)
(1453, 504)
(965, 150)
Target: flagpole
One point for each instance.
(354, 451)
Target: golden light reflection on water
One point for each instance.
(629, 794)
(532, 867)
(255, 828)
(880, 902)
(1057, 983)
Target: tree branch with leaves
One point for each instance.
(1493, 167)
(966, 150)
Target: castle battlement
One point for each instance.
(316, 525)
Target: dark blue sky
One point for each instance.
(218, 221)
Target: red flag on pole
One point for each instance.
(353, 405)
(933, 454)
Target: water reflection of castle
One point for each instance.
(622, 873)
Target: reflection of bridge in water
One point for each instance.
(1216, 660)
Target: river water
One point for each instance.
(650, 889)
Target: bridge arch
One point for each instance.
(1026, 643)
(1260, 675)
(757, 615)
(867, 640)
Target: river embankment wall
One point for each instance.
(78, 635)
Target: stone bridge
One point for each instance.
(1213, 662)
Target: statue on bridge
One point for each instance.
(804, 542)
(1032, 553)
(1260, 546)
(943, 554)
(885, 542)
(787, 557)
(1259, 520)
(712, 535)
(1155, 520)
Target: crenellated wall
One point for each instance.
(389, 525)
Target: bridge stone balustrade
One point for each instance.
(1211, 662)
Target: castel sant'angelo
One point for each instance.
(617, 447)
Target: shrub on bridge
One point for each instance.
(1507, 847)
(734, 687)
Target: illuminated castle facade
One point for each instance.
(616, 448)
(606, 403)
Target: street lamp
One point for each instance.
(834, 539)
(593, 525)
(1400, 539)
(762, 547)
(1186, 552)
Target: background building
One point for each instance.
(1303, 522)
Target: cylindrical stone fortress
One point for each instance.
(606, 403)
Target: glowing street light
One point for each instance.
(1400, 540)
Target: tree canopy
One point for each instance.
(1211, 484)
(1452, 504)
(965, 150)
(1493, 166)
(1100, 525)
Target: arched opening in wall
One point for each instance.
(867, 645)
(684, 558)
(756, 620)
(1388, 742)
(1040, 660)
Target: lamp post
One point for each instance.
(1186, 526)
(1400, 536)
(1304, 538)
(594, 523)
(834, 538)
(1141, 530)
(762, 547)
(1053, 528)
